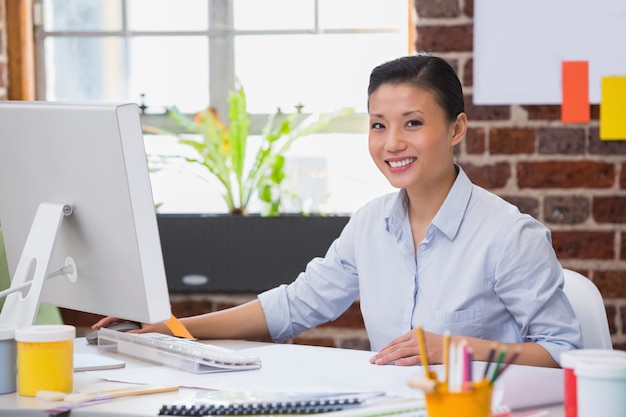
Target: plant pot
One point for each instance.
(224, 253)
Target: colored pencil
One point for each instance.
(469, 359)
(509, 360)
(446, 357)
(501, 357)
(492, 353)
(422, 347)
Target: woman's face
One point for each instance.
(410, 139)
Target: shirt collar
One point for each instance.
(449, 217)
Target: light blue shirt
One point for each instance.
(483, 270)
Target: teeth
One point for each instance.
(400, 164)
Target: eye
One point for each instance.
(377, 125)
(413, 123)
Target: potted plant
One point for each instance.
(241, 251)
(221, 149)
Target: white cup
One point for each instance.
(601, 387)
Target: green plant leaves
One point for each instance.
(222, 150)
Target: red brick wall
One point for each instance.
(561, 174)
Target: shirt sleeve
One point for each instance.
(326, 288)
(533, 290)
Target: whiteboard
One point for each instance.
(519, 46)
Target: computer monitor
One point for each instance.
(77, 213)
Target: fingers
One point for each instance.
(401, 356)
(105, 322)
(404, 350)
(146, 328)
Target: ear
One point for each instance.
(459, 129)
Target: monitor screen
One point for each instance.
(75, 177)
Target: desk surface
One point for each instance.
(305, 360)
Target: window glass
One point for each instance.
(322, 73)
(167, 15)
(85, 69)
(362, 14)
(169, 71)
(314, 55)
(113, 69)
(82, 15)
(270, 14)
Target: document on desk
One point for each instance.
(287, 368)
(529, 386)
(306, 369)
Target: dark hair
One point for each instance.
(425, 71)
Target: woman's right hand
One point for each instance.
(108, 321)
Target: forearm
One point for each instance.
(530, 353)
(246, 321)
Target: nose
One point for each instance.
(394, 141)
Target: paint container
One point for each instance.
(601, 387)
(568, 360)
(8, 359)
(45, 358)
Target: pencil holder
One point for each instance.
(475, 401)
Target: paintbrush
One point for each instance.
(106, 395)
(103, 395)
(87, 399)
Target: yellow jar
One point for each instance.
(45, 358)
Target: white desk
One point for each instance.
(306, 365)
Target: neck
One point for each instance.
(426, 200)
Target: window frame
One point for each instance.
(221, 49)
(20, 50)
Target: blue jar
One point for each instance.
(8, 360)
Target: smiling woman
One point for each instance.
(441, 253)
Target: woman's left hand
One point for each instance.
(404, 350)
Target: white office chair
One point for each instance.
(589, 308)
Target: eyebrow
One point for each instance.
(411, 112)
(405, 114)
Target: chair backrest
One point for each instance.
(589, 308)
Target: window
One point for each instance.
(311, 55)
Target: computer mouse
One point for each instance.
(120, 326)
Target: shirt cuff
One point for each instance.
(276, 308)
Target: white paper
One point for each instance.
(309, 369)
(519, 46)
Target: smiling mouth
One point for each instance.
(402, 163)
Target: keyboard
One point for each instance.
(185, 354)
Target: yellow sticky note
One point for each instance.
(613, 108)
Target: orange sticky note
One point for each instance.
(575, 106)
(613, 108)
(178, 328)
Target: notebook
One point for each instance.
(242, 403)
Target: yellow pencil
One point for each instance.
(422, 348)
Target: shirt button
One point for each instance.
(423, 246)
(430, 231)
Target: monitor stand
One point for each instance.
(22, 298)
